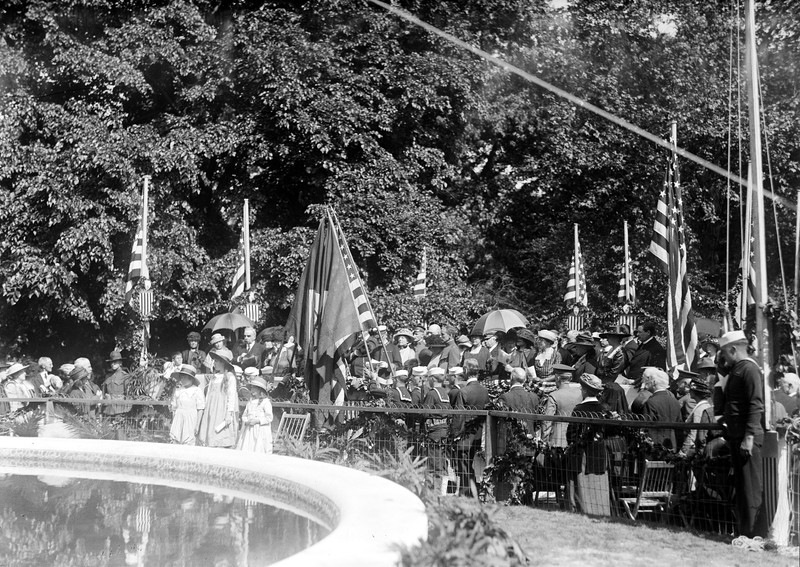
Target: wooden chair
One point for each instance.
(292, 426)
(654, 491)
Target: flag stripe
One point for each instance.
(668, 246)
(238, 284)
(421, 283)
(576, 285)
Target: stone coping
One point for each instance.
(369, 516)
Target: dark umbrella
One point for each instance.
(229, 321)
(499, 320)
(273, 334)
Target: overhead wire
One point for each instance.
(572, 98)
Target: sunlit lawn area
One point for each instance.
(561, 538)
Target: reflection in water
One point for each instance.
(57, 521)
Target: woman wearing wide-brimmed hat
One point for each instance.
(547, 357)
(16, 385)
(187, 405)
(524, 353)
(219, 424)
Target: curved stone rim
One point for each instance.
(370, 517)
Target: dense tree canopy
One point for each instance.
(416, 143)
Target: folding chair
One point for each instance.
(292, 426)
(654, 490)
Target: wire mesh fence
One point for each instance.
(598, 464)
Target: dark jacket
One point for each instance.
(472, 395)
(743, 412)
(663, 407)
(253, 357)
(649, 353)
(524, 401)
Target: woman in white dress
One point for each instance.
(256, 434)
(187, 406)
(219, 423)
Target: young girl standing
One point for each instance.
(256, 434)
(218, 424)
(187, 406)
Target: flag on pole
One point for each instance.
(241, 278)
(576, 285)
(325, 319)
(668, 246)
(627, 289)
(137, 269)
(365, 315)
(747, 293)
(421, 283)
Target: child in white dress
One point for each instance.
(256, 434)
(187, 406)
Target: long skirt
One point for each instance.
(213, 431)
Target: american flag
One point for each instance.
(627, 289)
(137, 270)
(576, 285)
(421, 283)
(365, 315)
(239, 280)
(668, 246)
(324, 316)
(747, 294)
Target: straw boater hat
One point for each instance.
(405, 333)
(548, 335)
(401, 375)
(15, 368)
(456, 371)
(222, 357)
(216, 338)
(592, 382)
(250, 372)
(258, 382)
(189, 371)
(419, 371)
(436, 372)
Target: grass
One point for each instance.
(565, 539)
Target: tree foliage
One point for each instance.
(417, 144)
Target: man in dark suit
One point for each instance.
(252, 354)
(468, 432)
(519, 399)
(662, 407)
(649, 353)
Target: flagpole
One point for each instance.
(627, 267)
(797, 258)
(671, 306)
(145, 273)
(759, 248)
(246, 237)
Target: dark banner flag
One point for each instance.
(324, 319)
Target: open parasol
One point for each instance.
(499, 320)
(229, 321)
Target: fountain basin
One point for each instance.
(369, 517)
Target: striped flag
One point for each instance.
(239, 276)
(576, 285)
(421, 283)
(627, 289)
(325, 318)
(747, 293)
(360, 299)
(137, 270)
(668, 246)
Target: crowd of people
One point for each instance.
(609, 374)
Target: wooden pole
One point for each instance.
(246, 238)
(627, 266)
(797, 258)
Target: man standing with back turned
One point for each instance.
(743, 412)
